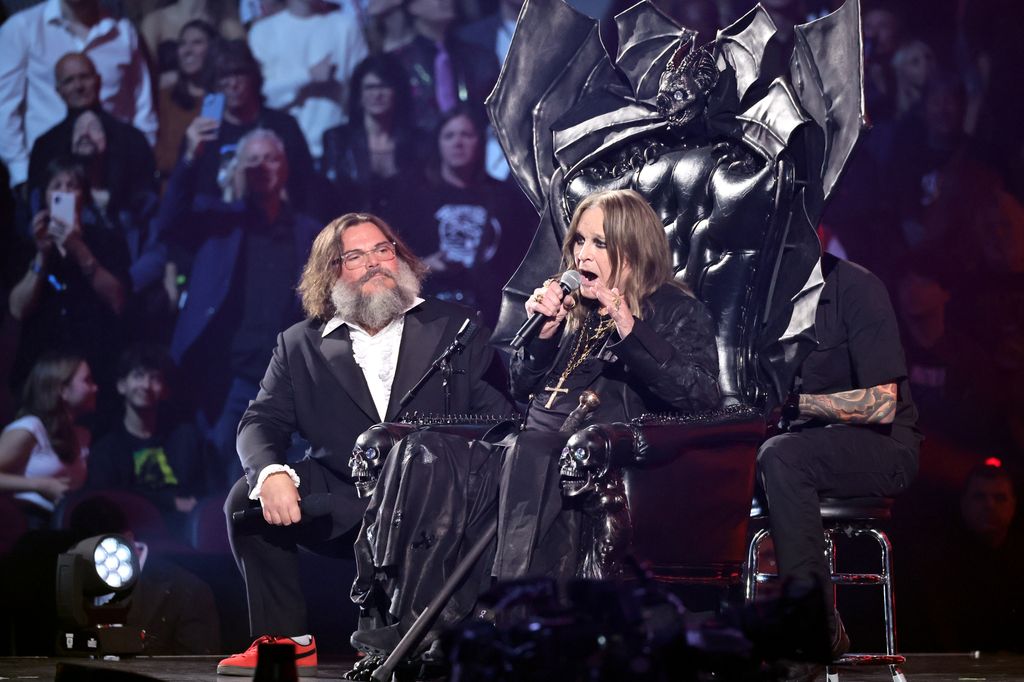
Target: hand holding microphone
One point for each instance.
(547, 307)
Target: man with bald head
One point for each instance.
(33, 40)
(78, 84)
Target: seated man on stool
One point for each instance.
(368, 340)
(852, 427)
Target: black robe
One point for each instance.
(439, 493)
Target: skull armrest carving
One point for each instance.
(593, 463)
(371, 449)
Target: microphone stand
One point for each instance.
(446, 388)
(444, 364)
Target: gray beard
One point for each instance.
(377, 309)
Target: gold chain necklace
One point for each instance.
(586, 342)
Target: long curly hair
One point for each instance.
(321, 270)
(41, 397)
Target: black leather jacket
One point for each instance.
(669, 363)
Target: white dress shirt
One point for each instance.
(376, 355)
(287, 46)
(31, 42)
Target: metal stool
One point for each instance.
(852, 517)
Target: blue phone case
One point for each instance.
(213, 106)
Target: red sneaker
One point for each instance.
(244, 664)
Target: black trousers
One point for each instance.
(267, 556)
(798, 468)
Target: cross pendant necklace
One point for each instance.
(555, 390)
(586, 342)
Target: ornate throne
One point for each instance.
(737, 148)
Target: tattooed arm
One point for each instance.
(875, 405)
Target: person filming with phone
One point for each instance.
(234, 109)
(248, 247)
(73, 291)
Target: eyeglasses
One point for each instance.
(353, 260)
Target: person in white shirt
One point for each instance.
(307, 54)
(43, 452)
(32, 41)
(368, 340)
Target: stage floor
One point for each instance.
(919, 668)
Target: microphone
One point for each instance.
(569, 281)
(465, 334)
(312, 506)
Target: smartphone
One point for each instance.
(63, 216)
(213, 106)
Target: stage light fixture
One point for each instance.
(94, 583)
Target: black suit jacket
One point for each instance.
(314, 387)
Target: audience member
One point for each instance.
(934, 185)
(388, 26)
(976, 565)
(237, 75)
(249, 251)
(443, 70)
(991, 301)
(377, 153)
(116, 157)
(948, 371)
(988, 53)
(882, 27)
(181, 101)
(145, 452)
(73, 291)
(912, 66)
(309, 83)
(494, 34)
(470, 229)
(43, 452)
(162, 30)
(494, 31)
(251, 10)
(999, 228)
(33, 40)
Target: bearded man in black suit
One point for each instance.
(368, 340)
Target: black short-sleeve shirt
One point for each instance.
(859, 344)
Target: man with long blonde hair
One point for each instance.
(368, 339)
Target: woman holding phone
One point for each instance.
(181, 101)
(74, 287)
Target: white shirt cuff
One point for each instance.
(272, 469)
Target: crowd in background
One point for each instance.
(153, 235)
